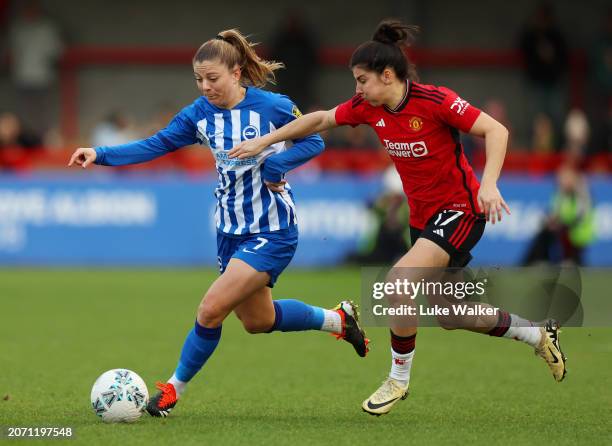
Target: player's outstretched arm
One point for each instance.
(180, 132)
(83, 156)
(308, 124)
(490, 199)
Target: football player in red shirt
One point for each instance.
(419, 126)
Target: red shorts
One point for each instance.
(456, 232)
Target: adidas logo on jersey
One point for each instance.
(440, 232)
(380, 123)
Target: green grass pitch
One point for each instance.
(60, 329)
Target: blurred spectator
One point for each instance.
(577, 131)
(35, 47)
(294, 44)
(601, 87)
(570, 227)
(543, 140)
(12, 133)
(545, 54)
(115, 129)
(389, 240)
(15, 143)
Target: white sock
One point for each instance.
(179, 385)
(400, 366)
(332, 321)
(523, 330)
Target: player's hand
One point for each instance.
(276, 187)
(246, 149)
(83, 156)
(491, 202)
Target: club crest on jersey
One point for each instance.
(415, 123)
(250, 132)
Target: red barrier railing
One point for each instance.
(195, 160)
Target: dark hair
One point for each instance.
(232, 48)
(387, 49)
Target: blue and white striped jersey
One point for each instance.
(244, 204)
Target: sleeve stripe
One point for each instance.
(428, 98)
(424, 92)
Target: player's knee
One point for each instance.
(210, 312)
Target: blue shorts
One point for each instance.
(268, 252)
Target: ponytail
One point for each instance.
(387, 49)
(231, 48)
(394, 32)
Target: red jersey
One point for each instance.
(422, 138)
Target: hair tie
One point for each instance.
(220, 37)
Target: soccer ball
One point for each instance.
(119, 396)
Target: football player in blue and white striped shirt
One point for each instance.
(256, 215)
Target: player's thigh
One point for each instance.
(424, 253)
(237, 283)
(257, 311)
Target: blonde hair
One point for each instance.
(231, 48)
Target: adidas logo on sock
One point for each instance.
(380, 123)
